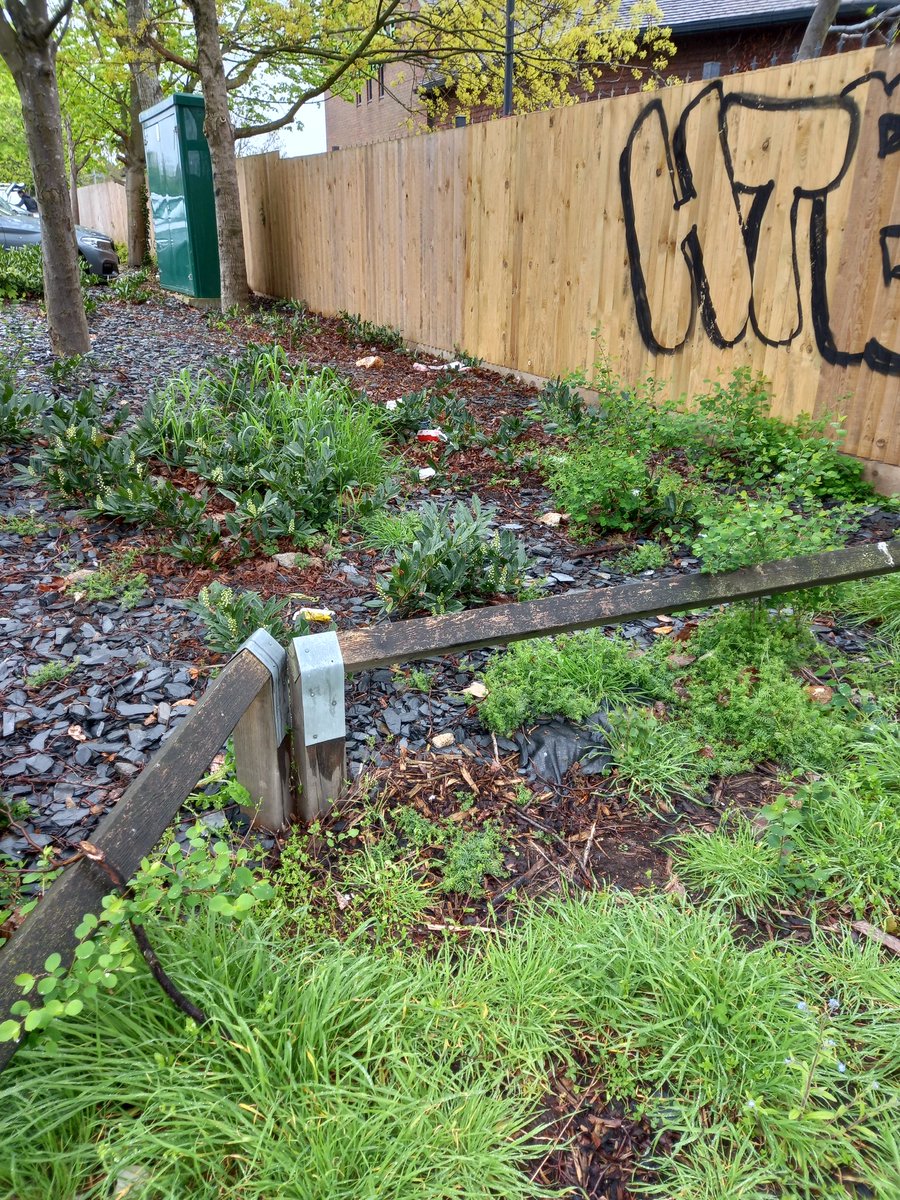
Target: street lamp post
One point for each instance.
(508, 63)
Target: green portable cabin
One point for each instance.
(182, 203)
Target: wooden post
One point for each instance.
(316, 671)
(261, 740)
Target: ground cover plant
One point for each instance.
(639, 462)
(325, 1064)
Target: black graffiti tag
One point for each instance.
(754, 202)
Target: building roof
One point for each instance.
(701, 16)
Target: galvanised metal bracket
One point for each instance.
(264, 647)
(321, 667)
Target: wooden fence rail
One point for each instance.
(285, 708)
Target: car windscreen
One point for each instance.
(12, 210)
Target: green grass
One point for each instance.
(655, 760)
(569, 676)
(347, 1072)
(871, 600)
(833, 839)
(733, 865)
(390, 531)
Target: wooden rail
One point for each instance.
(286, 709)
(381, 645)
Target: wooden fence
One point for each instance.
(102, 206)
(286, 708)
(752, 220)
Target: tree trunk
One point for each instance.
(143, 66)
(34, 71)
(220, 135)
(135, 186)
(817, 29)
(73, 172)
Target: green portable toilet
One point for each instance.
(181, 196)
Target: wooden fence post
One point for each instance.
(261, 740)
(316, 671)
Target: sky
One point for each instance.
(291, 141)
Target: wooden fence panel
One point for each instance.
(102, 206)
(747, 221)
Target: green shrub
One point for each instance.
(264, 426)
(748, 635)
(467, 854)
(654, 759)
(21, 273)
(231, 617)
(648, 556)
(18, 411)
(355, 329)
(130, 287)
(569, 676)
(732, 434)
(744, 532)
(83, 452)
(429, 409)
(600, 487)
(453, 561)
(746, 716)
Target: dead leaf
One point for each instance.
(681, 660)
(370, 361)
(551, 519)
(76, 733)
(686, 632)
(663, 630)
(476, 690)
(820, 693)
(187, 703)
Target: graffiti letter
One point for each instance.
(665, 213)
(856, 290)
(815, 139)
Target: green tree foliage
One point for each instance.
(14, 166)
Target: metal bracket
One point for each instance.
(273, 656)
(321, 666)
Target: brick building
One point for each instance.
(713, 38)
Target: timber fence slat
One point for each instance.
(132, 829)
(383, 645)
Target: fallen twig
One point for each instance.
(877, 935)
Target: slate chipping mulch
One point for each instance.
(69, 750)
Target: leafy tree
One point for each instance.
(14, 165)
(29, 34)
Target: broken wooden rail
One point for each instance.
(288, 708)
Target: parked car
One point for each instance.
(19, 228)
